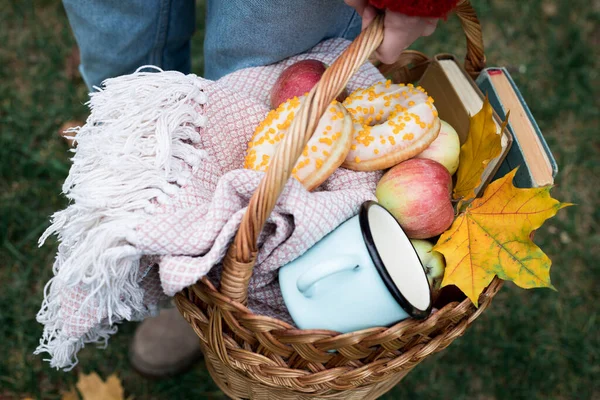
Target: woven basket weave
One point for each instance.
(257, 357)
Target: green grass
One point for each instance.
(536, 344)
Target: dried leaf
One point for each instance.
(482, 145)
(91, 387)
(492, 237)
(70, 395)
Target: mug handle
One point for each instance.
(307, 280)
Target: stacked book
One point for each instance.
(458, 97)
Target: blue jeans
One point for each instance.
(117, 36)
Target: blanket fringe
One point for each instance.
(135, 150)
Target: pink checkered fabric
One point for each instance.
(195, 230)
(183, 240)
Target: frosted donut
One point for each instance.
(392, 123)
(326, 150)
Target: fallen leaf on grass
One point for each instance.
(482, 145)
(70, 395)
(92, 387)
(492, 238)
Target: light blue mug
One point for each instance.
(363, 274)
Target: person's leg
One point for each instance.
(241, 33)
(115, 37)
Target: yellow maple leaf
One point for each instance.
(92, 387)
(482, 145)
(70, 395)
(492, 238)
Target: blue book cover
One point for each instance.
(515, 157)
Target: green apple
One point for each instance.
(445, 149)
(432, 261)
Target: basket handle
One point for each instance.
(241, 255)
(411, 64)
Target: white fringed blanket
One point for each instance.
(157, 191)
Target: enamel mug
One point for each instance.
(363, 274)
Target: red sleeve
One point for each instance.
(417, 8)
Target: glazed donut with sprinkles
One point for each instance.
(325, 152)
(392, 123)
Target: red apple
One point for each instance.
(297, 80)
(417, 193)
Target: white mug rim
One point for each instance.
(365, 228)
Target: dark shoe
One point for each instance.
(164, 345)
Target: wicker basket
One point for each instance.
(257, 357)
